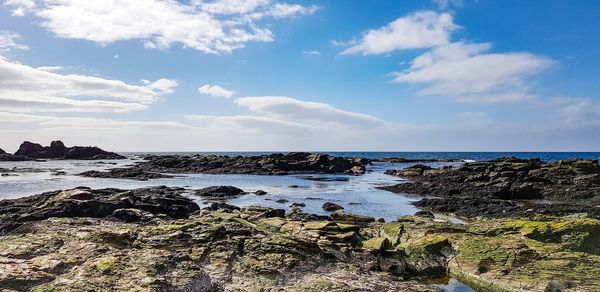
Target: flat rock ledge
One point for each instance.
(506, 187)
(272, 164)
(161, 242)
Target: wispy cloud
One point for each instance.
(311, 53)
(9, 41)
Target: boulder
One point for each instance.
(219, 193)
(330, 207)
(57, 150)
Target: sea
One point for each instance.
(357, 194)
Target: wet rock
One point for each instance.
(132, 215)
(222, 206)
(85, 202)
(282, 201)
(325, 179)
(301, 205)
(330, 207)
(260, 193)
(125, 173)
(219, 193)
(481, 184)
(273, 164)
(425, 214)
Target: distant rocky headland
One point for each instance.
(57, 150)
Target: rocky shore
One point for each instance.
(272, 164)
(506, 187)
(57, 150)
(157, 239)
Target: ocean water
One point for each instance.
(357, 195)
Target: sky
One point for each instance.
(270, 75)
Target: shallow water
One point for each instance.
(357, 195)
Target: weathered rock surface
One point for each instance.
(57, 150)
(255, 249)
(9, 157)
(85, 202)
(273, 164)
(481, 187)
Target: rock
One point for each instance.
(222, 206)
(301, 205)
(57, 150)
(125, 173)
(326, 179)
(360, 220)
(282, 201)
(219, 193)
(260, 193)
(425, 214)
(244, 250)
(2, 151)
(480, 184)
(272, 164)
(85, 202)
(132, 215)
(330, 207)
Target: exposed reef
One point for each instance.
(506, 187)
(272, 164)
(154, 239)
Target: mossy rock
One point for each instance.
(273, 224)
(105, 265)
(376, 243)
(393, 231)
(321, 226)
(580, 234)
(428, 244)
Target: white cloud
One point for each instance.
(465, 71)
(20, 7)
(216, 27)
(27, 89)
(312, 53)
(422, 29)
(290, 109)
(216, 90)
(8, 42)
(50, 68)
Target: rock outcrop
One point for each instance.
(510, 185)
(219, 193)
(57, 150)
(225, 248)
(273, 164)
(125, 173)
(85, 202)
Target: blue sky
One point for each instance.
(150, 75)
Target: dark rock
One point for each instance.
(126, 173)
(222, 206)
(294, 186)
(57, 150)
(425, 214)
(301, 205)
(2, 151)
(85, 202)
(330, 207)
(132, 215)
(473, 207)
(260, 193)
(219, 193)
(272, 164)
(574, 181)
(282, 201)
